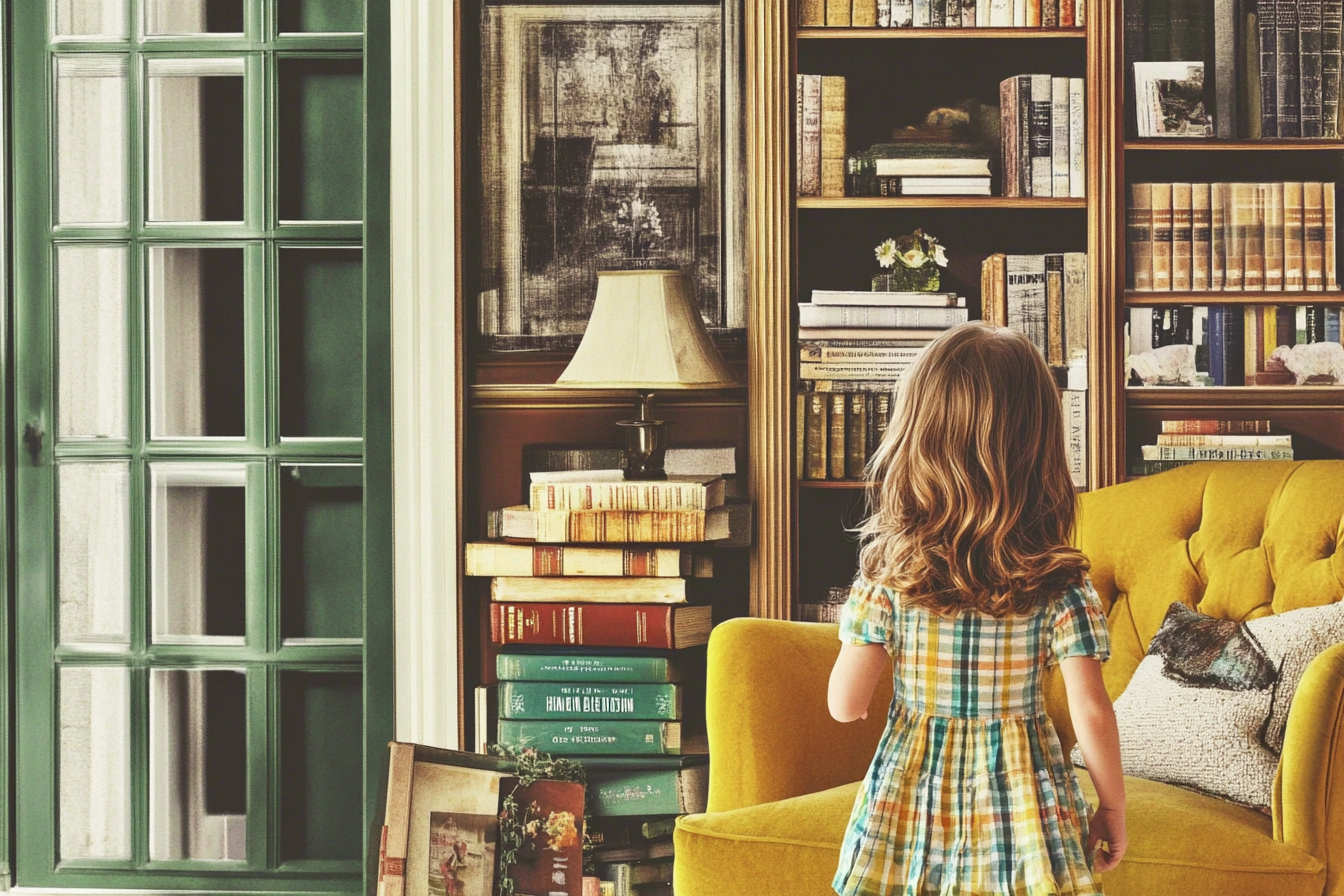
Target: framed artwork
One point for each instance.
(605, 145)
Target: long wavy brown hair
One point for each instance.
(970, 501)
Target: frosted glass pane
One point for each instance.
(194, 17)
(95, 780)
(91, 139)
(89, 18)
(196, 379)
(91, 341)
(198, 764)
(93, 544)
(198, 550)
(195, 139)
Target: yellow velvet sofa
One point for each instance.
(1232, 540)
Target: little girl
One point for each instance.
(968, 580)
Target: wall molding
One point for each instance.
(426, 378)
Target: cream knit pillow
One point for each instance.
(1293, 640)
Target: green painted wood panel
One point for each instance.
(321, 763)
(321, 552)
(320, 121)
(320, 15)
(321, 310)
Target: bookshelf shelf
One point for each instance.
(1145, 299)
(934, 202)
(1235, 398)
(1309, 145)
(939, 33)
(849, 484)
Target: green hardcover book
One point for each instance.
(642, 763)
(569, 700)
(665, 792)
(597, 736)
(587, 668)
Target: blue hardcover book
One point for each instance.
(1332, 324)
(1218, 344)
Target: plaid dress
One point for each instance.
(969, 793)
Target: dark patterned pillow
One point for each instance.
(1204, 652)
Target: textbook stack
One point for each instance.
(1184, 442)
(1232, 237)
(1043, 134)
(853, 348)
(941, 13)
(924, 161)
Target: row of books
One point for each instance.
(1183, 442)
(820, 145)
(941, 13)
(839, 431)
(1231, 237)
(1046, 297)
(1269, 69)
(1235, 345)
(827, 607)
(1042, 128)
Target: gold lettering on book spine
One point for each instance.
(548, 560)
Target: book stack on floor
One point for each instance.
(941, 13)
(1235, 344)
(821, 135)
(1043, 134)
(828, 608)
(1045, 297)
(1270, 237)
(1269, 69)
(1184, 442)
(853, 347)
(927, 160)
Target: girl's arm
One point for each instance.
(1099, 740)
(853, 679)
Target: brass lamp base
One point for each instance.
(645, 443)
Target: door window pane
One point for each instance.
(164, 17)
(198, 764)
(93, 545)
(320, 15)
(95, 778)
(321, 752)
(89, 19)
(321, 342)
(322, 551)
(195, 139)
(91, 341)
(199, 552)
(321, 131)
(196, 378)
(91, 139)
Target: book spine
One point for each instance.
(592, 668)
(869, 351)
(1224, 69)
(1024, 112)
(589, 737)
(923, 13)
(667, 495)
(1332, 44)
(1221, 441)
(969, 12)
(1001, 15)
(595, 625)
(1269, 69)
(1218, 344)
(1181, 236)
(1234, 336)
(659, 792)
(1310, 39)
(1162, 235)
(1253, 243)
(1049, 13)
(1067, 19)
(1332, 324)
(1239, 212)
(1285, 329)
(1197, 47)
(838, 13)
(1218, 200)
(902, 13)
(1054, 309)
(863, 13)
(1250, 108)
(1040, 136)
(1294, 238)
(1139, 237)
(883, 14)
(938, 13)
(1026, 297)
(1313, 228)
(800, 435)
(539, 700)
(879, 316)
(1010, 170)
(1075, 434)
(809, 173)
(1216, 427)
(1179, 37)
(1273, 196)
(1159, 30)
(835, 467)
(1033, 13)
(1153, 467)
(1165, 452)
(1020, 13)
(856, 435)
(1201, 221)
(982, 13)
(595, 589)
(620, 526)
(1287, 81)
(881, 416)
(815, 452)
(1059, 136)
(1079, 12)
(1331, 275)
(493, 559)
(811, 13)
(1075, 308)
(1253, 352)
(1077, 138)
(833, 123)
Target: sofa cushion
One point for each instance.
(1293, 640)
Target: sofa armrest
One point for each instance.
(771, 735)
(1309, 787)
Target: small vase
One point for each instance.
(904, 279)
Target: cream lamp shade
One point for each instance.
(646, 333)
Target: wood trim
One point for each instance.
(938, 33)
(1035, 202)
(769, 97)
(1240, 398)
(1105, 240)
(1276, 143)
(1295, 297)
(427, 380)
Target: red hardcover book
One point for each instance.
(550, 858)
(1216, 427)
(600, 625)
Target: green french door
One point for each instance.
(188, 401)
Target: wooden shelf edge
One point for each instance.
(939, 33)
(849, 484)
(1310, 144)
(938, 202)
(1296, 297)
(1249, 398)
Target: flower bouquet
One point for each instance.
(639, 229)
(914, 262)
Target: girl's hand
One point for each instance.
(1107, 825)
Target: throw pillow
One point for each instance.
(1293, 640)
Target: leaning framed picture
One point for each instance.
(605, 144)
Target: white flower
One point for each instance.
(939, 256)
(886, 253)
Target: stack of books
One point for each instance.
(941, 13)
(922, 161)
(820, 144)
(1046, 297)
(1184, 442)
(1043, 133)
(828, 608)
(1235, 344)
(853, 348)
(1231, 236)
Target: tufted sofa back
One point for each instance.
(1232, 540)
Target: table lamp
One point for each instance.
(646, 334)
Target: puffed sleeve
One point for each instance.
(867, 616)
(1080, 625)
